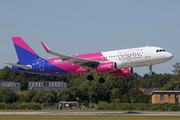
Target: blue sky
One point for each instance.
(87, 26)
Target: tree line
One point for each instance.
(115, 89)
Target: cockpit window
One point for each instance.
(161, 50)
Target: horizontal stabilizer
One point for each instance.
(20, 66)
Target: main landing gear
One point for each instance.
(150, 68)
(90, 78)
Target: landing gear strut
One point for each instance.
(90, 77)
(150, 68)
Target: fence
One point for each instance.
(112, 106)
(88, 106)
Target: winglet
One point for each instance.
(45, 47)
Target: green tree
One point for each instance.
(176, 70)
(47, 97)
(135, 95)
(170, 85)
(23, 96)
(7, 96)
(115, 93)
(66, 95)
(31, 94)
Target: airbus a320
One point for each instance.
(118, 63)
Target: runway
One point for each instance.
(154, 113)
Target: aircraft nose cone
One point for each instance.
(169, 56)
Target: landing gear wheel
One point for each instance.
(101, 80)
(90, 77)
(151, 72)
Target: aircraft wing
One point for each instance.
(20, 66)
(85, 63)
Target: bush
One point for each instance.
(23, 107)
(35, 107)
(2, 106)
(79, 107)
(143, 108)
(130, 107)
(149, 107)
(174, 108)
(103, 103)
(29, 107)
(162, 109)
(20, 107)
(115, 101)
(11, 107)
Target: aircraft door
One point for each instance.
(41, 65)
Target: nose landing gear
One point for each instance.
(150, 68)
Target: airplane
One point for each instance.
(118, 63)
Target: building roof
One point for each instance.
(148, 91)
(169, 91)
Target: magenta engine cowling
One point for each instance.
(123, 72)
(106, 67)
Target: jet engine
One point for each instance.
(107, 67)
(123, 72)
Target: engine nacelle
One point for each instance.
(106, 67)
(123, 72)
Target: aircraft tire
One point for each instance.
(90, 77)
(152, 73)
(101, 80)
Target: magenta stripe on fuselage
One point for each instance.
(20, 42)
(66, 66)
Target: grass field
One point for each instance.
(86, 117)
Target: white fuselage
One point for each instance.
(137, 57)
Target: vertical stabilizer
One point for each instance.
(24, 52)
